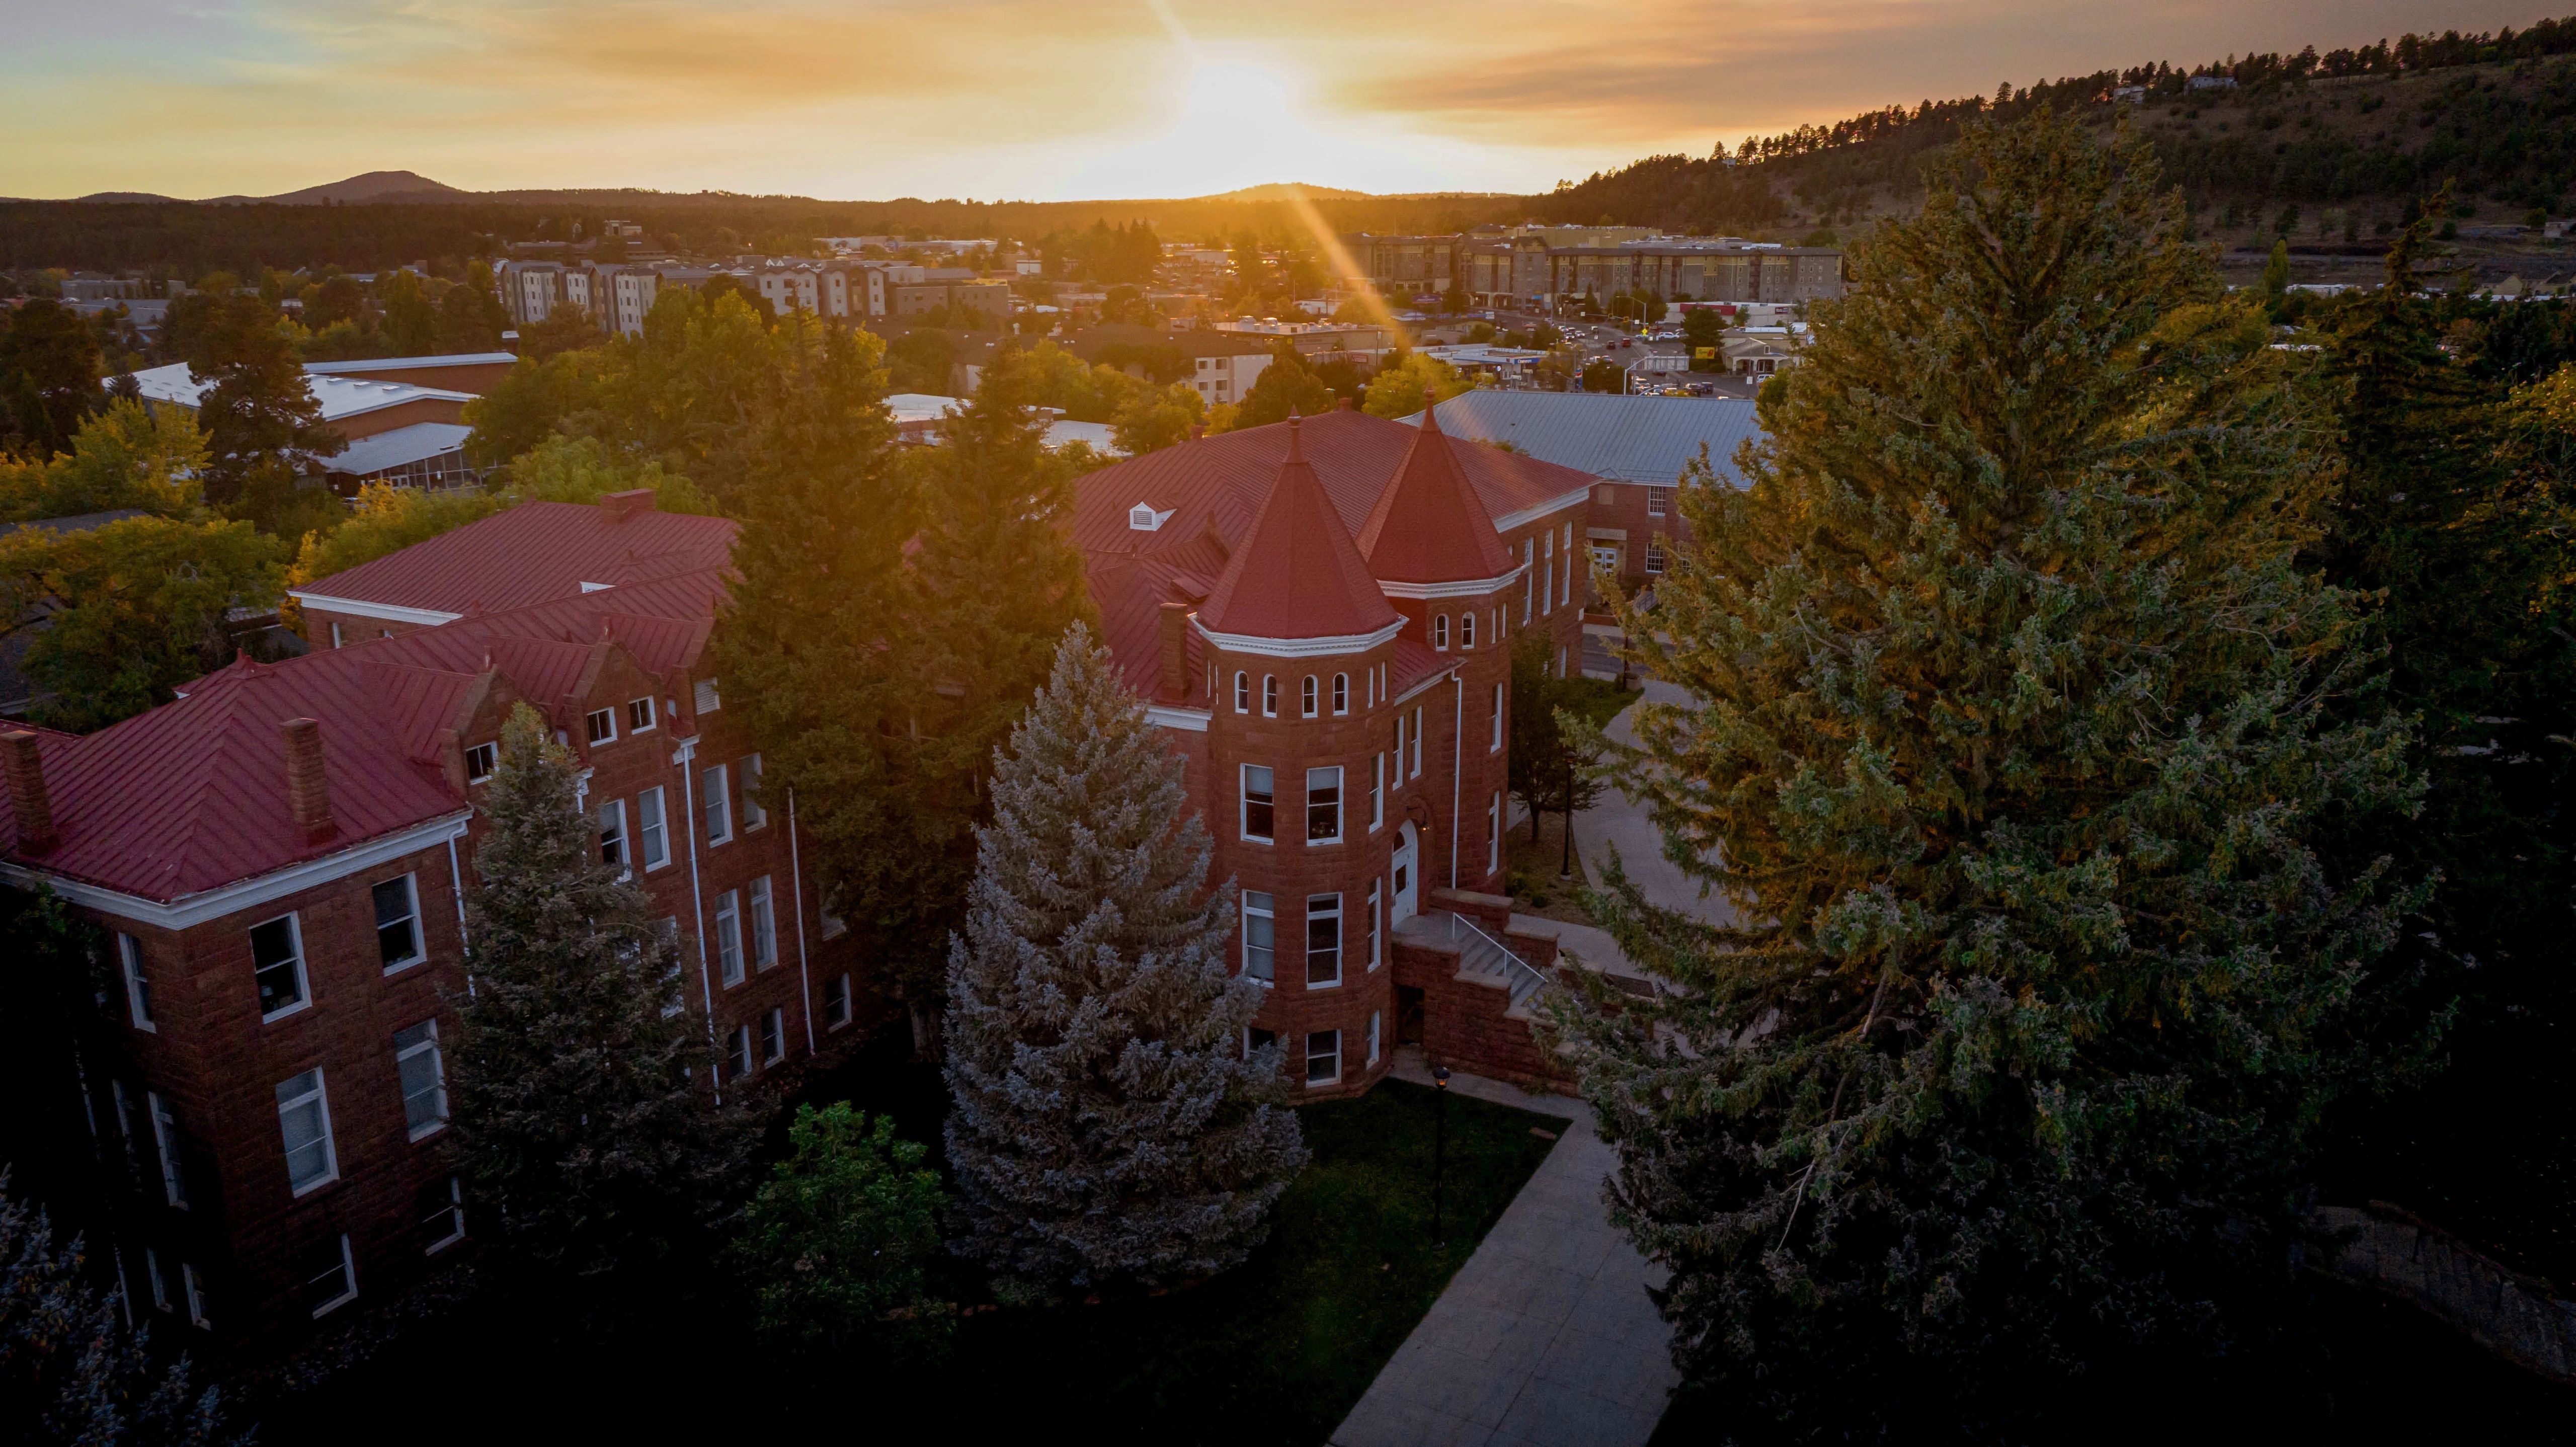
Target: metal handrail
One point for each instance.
(1510, 956)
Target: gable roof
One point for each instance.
(1428, 525)
(535, 552)
(1297, 574)
(1626, 439)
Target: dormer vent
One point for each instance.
(1144, 519)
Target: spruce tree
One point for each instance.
(2015, 725)
(580, 1080)
(1108, 1126)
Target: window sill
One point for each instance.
(712, 843)
(400, 966)
(442, 1244)
(1323, 843)
(334, 1304)
(1325, 985)
(297, 1008)
(1256, 839)
(732, 984)
(300, 1192)
(427, 1131)
(147, 1027)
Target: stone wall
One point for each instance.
(2502, 1310)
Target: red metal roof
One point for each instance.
(1209, 491)
(1297, 573)
(534, 552)
(1429, 526)
(192, 796)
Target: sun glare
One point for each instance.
(1232, 123)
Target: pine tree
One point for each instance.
(580, 1078)
(71, 1372)
(1108, 1128)
(2016, 722)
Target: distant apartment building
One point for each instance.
(1547, 266)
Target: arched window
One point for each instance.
(1440, 631)
(1341, 693)
(1467, 630)
(1243, 693)
(1306, 696)
(1270, 695)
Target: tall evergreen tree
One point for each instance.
(2015, 723)
(258, 414)
(580, 1078)
(1109, 1127)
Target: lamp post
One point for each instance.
(1439, 1149)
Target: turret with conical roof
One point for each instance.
(1297, 574)
(1428, 525)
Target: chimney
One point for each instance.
(1341, 404)
(27, 796)
(1176, 653)
(1197, 431)
(307, 791)
(617, 507)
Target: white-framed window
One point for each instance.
(480, 762)
(138, 983)
(277, 966)
(1399, 748)
(1654, 552)
(165, 1147)
(652, 829)
(1324, 1057)
(755, 814)
(612, 833)
(764, 926)
(1547, 565)
(194, 1287)
(1659, 501)
(833, 925)
(1373, 1037)
(330, 1275)
(1323, 940)
(1467, 629)
(1494, 835)
(773, 1037)
(1376, 906)
(836, 1002)
(398, 941)
(719, 805)
(1529, 576)
(706, 696)
(1306, 696)
(1440, 632)
(738, 1050)
(600, 724)
(729, 935)
(1417, 742)
(1242, 692)
(440, 1214)
(424, 1079)
(1341, 693)
(1377, 793)
(1498, 720)
(1270, 695)
(1259, 803)
(155, 1280)
(640, 716)
(1259, 940)
(336, 640)
(1324, 805)
(304, 1123)
(1565, 589)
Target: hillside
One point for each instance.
(2343, 143)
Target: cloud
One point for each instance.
(852, 98)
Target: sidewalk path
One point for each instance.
(1618, 820)
(1546, 1336)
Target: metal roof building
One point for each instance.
(1623, 439)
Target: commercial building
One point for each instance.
(280, 860)
(1320, 615)
(403, 418)
(1546, 267)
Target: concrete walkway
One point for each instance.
(1620, 821)
(1546, 1335)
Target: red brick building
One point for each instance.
(281, 858)
(1321, 614)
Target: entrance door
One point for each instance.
(1606, 555)
(1408, 893)
(1408, 1015)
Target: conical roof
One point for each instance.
(1297, 573)
(1428, 525)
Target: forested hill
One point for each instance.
(2357, 133)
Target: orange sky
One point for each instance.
(1043, 99)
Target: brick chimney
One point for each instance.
(1341, 404)
(1197, 431)
(617, 507)
(1176, 682)
(27, 796)
(307, 791)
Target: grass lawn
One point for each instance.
(1275, 1351)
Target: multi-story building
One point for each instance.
(1321, 615)
(281, 860)
(1546, 266)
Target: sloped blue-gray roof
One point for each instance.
(1624, 439)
